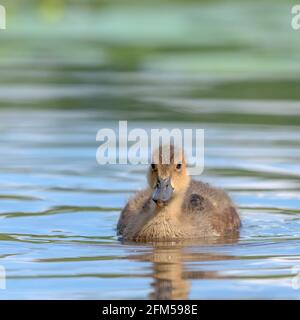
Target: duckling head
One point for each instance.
(167, 175)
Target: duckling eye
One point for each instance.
(178, 166)
(153, 166)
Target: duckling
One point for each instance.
(175, 207)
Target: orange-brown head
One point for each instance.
(167, 175)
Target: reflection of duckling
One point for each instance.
(168, 275)
(175, 207)
(173, 266)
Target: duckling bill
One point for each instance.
(175, 207)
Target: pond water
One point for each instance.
(59, 208)
(191, 68)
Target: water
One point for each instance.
(59, 209)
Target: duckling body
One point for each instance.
(202, 212)
(195, 210)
